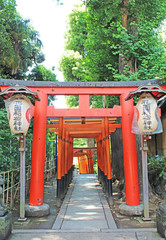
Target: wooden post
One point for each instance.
(66, 161)
(129, 153)
(102, 163)
(38, 151)
(63, 164)
(59, 164)
(108, 158)
(71, 157)
(104, 160)
(91, 162)
(98, 159)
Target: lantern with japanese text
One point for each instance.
(19, 109)
(146, 118)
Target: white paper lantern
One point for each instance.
(19, 109)
(147, 112)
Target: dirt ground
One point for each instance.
(121, 220)
(43, 222)
(134, 221)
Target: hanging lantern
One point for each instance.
(19, 109)
(147, 113)
(146, 118)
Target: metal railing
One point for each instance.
(11, 186)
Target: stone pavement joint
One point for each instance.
(128, 234)
(59, 220)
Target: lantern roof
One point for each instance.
(10, 91)
(155, 90)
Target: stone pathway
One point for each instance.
(85, 214)
(85, 207)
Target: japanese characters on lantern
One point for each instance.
(17, 105)
(146, 118)
(19, 110)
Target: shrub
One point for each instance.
(156, 169)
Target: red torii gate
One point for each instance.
(84, 90)
(88, 152)
(70, 128)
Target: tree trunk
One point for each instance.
(124, 9)
(90, 142)
(122, 59)
(122, 64)
(132, 62)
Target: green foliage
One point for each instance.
(71, 65)
(96, 33)
(95, 166)
(100, 47)
(157, 166)
(156, 169)
(9, 145)
(77, 32)
(80, 142)
(98, 101)
(72, 101)
(50, 145)
(20, 45)
(20, 48)
(145, 49)
(40, 73)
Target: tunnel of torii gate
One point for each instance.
(66, 132)
(85, 159)
(85, 127)
(67, 129)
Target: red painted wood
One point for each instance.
(104, 151)
(59, 167)
(84, 112)
(83, 165)
(85, 90)
(129, 153)
(38, 151)
(107, 149)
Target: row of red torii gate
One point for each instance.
(82, 122)
(85, 159)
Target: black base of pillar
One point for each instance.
(109, 184)
(65, 183)
(62, 187)
(110, 198)
(105, 185)
(58, 197)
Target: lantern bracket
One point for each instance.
(10, 91)
(155, 90)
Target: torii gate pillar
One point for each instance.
(36, 206)
(132, 206)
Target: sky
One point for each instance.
(50, 20)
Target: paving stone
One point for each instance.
(87, 207)
(85, 214)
